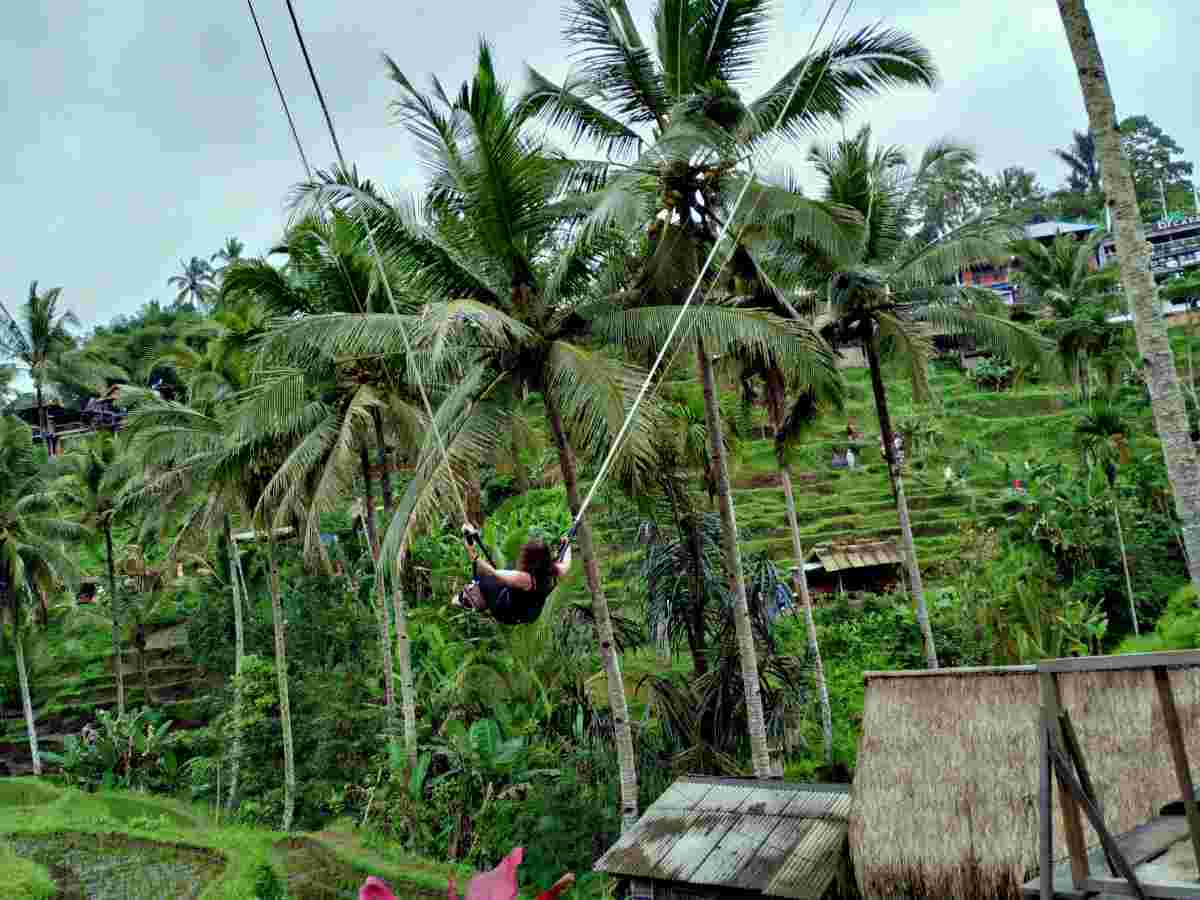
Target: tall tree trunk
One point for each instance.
(385, 477)
(385, 646)
(626, 759)
(408, 695)
(871, 344)
(26, 702)
(285, 706)
(43, 424)
(118, 667)
(239, 651)
(755, 721)
(368, 501)
(775, 403)
(1125, 564)
(697, 643)
(1158, 362)
(140, 647)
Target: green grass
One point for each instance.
(24, 878)
(34, 812)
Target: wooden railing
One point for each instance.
(1062, 760)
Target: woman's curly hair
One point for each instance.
(537, 559)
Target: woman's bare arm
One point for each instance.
(509, 577)
(563, 566)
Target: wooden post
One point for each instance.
(1074, 753)
(1069, 784)
(1045, 810)
(1072, 821)
(1166, 699)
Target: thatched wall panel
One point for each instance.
(945, 792)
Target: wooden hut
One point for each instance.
(861, 566)
(709, 838)
(945, 800)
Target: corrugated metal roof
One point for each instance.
(840, 557)
(782, 839)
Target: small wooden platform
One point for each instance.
(1143, 844)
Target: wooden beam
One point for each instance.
(1171, 659)
(1070, 785)
(1075, 755)
(1072, 821)
(1183, 774)
(1045, 813)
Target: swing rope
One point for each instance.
(383, 277)
(618, 441)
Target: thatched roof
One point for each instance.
(946, 788)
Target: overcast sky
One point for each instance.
(137, 133)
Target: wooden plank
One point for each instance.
(1072, 821)
(966, 671)
(1075, 755)
(765, 802)
(1169, 890)
(1067, 780)
(1166, 699)
(1045, 814)
(1169, 659)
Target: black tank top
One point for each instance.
(512, 606)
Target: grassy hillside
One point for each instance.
(128, 846)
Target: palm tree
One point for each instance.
(93, 476)
(890, 284)
(685, 174)
(1101, 433)
(790, 425)
(230, 252)
(195, 282)
(1080, 158)
(40, 342)
(8, 374)
(1060, 279)
(488, 237)
(32, 555)
(1154, 347)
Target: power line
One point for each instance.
(282, 99)
(387, 285)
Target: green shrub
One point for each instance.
(1177, 629)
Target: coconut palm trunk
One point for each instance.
(26, 702)
(239, 650)
(626, 760)
(1125, 564)
(385, 476)
(285, 706)
(871, 345)
(139, 644)
(368, 501)
(408, 694)
(755, 720)
(1150, 326)
(385, 646)
(23, 676)
(114, 606)
(775, 398)
(382, 621)
(41, 414)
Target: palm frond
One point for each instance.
(825, 86)
(568, 107)
(615, 60)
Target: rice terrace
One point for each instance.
(595, 449)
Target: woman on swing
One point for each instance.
(513, 596)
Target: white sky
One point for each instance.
(137, 133)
